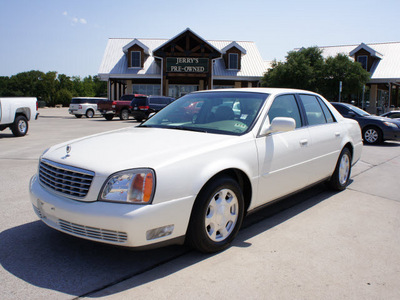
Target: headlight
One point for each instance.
(131, 186)
(390, 124)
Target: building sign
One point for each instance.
(187, 65)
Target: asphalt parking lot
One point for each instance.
(314, 245)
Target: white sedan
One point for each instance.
(192, 174)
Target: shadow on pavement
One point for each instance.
(48, 259)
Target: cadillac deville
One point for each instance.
(191, 176)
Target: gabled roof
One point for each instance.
(181, 33)
(136, 42)
(371, 51)
(232, 45)
(115, 62)
(386, 69)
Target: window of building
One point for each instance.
(363, 60)
(233, 61)
(136, 59)
(147, 89)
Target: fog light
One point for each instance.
(159, 232)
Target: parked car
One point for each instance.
(120, 108)
(84, 106)
(142, 107)
(375, 129)
(394, 114)
(176, 178)
(15, 112)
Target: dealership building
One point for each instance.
(180, 65)
(382, 61)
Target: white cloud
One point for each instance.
(75, 20)
(83, 21)
(65, 13)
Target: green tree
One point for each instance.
(341, 69)
(307, 69)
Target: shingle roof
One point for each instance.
(388, 67)
(115, 64)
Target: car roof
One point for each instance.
(273, 91)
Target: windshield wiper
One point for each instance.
(187, 128)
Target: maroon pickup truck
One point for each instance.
(120, 108)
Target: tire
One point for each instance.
(89, 113)
(217, 215)
(20, 126)
(372, 135)
(341, 175)
(78, 116)
(139, 119)
(109, 117)
(124, 115)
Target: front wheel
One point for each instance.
(109, 117)
(341, 175)
(20, 126)
(217, 215)
(372, 135)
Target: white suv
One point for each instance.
(84, 106)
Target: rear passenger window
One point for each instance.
(314, 112)
(285, 106)
(328, 115)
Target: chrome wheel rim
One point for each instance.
(344, 169)
(21, 126)
(371, 135)
(125, 115)
(90, 114)
(221, 215)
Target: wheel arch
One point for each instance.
(241, 178)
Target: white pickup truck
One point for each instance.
(16, 112)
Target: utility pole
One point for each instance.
(340, 91)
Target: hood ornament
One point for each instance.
(68, 150)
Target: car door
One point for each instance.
(283, 155)
(325, 137)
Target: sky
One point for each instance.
(70, 36)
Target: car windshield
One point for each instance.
(359, 111)
(213, 112)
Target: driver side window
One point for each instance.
(285, 106)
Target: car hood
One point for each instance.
(383, 119)
(134, 148)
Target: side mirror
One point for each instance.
(279, 124)
(352, 114)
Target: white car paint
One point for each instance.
(275, 165)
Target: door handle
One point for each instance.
(304, 142)
(337, 134)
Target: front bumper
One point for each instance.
(112, 223)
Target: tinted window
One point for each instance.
(285, 106)
(314, 113)
(76, 101)
(343, 110)
(139, 101)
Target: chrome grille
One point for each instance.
(92, 232)
(64, 179)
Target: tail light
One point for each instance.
(114, 104)
(80, 106)
(144, 107)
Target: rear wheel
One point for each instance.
(109, 117)
(78, 116)
(20, 126)
(217, 215)
(124, 115)
(341, 175)
(89, 113)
